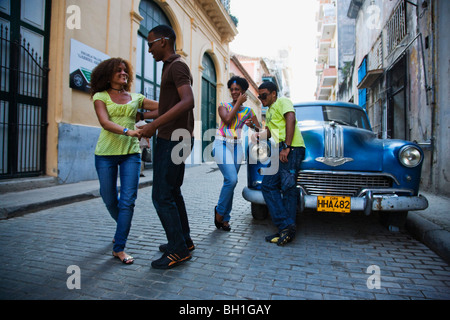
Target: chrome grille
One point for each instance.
(340, 184)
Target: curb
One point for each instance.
(19, 210)
(10, 211)
(430, 234)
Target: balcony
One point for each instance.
(319, 69)
(329, 76)
(324, 46)
(220, 18)
(327, 18)
(326, 83)
(371, 68)
(323, 93)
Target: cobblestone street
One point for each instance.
(329, 259)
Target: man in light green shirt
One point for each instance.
(279, 190)
(276, 122)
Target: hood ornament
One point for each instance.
(334, 146)
(332, 161)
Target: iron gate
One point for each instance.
(23, 108)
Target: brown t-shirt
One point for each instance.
(175, 74)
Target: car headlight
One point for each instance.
(410, 156)
(260, 152)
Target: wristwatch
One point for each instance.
(125, 131)
(285, 146)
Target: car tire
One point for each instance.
(393, 220)
(259, 211)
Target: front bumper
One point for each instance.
(368, 203)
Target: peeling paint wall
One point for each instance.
(426, 48)
(441, 157)
(431, 122)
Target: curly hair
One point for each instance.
(242, 82)
(103, 73)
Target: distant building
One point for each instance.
(259, 69)
(326, 70)
(238, 68)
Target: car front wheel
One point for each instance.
(393, 220)
(259, 211)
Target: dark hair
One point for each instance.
(164, 31)
(104, 71)
(242, 82)
(269, 86)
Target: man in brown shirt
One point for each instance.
(176, 104)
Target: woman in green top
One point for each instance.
(118, 143)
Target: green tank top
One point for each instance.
(109, 143)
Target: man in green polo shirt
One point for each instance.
(279, 190)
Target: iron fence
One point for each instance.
(23, 108)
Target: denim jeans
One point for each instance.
(228, 156)
(121, 208)
(166, 194)
(280, 190)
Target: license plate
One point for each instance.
(333, 204)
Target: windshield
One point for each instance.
(313, 115)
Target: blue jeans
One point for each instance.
(166, 194)
(280, 190)
(229, 157)
(120, 208)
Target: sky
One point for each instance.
(267, 26)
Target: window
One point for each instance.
(311, 115)
(396, 27)
(362, 93)
(148, 71)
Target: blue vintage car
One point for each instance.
(346, 167)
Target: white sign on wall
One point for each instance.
(83, 59)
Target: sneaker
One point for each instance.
(170, 260)
(286, 236)
(273, 238)
(189, 244)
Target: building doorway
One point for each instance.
(209, 93)
(24, 47)
(396, 105)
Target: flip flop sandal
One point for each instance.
(217, 222)
(127, 260)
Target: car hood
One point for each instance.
(341, 148)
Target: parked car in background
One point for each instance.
(346, 167)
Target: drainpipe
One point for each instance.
(433, 88)
(430, 5)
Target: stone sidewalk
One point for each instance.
(328, 260)
(431, 226)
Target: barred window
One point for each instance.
(396, 27)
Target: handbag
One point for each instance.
(146, 154)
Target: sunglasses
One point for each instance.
(263, 96)
(156, 40)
